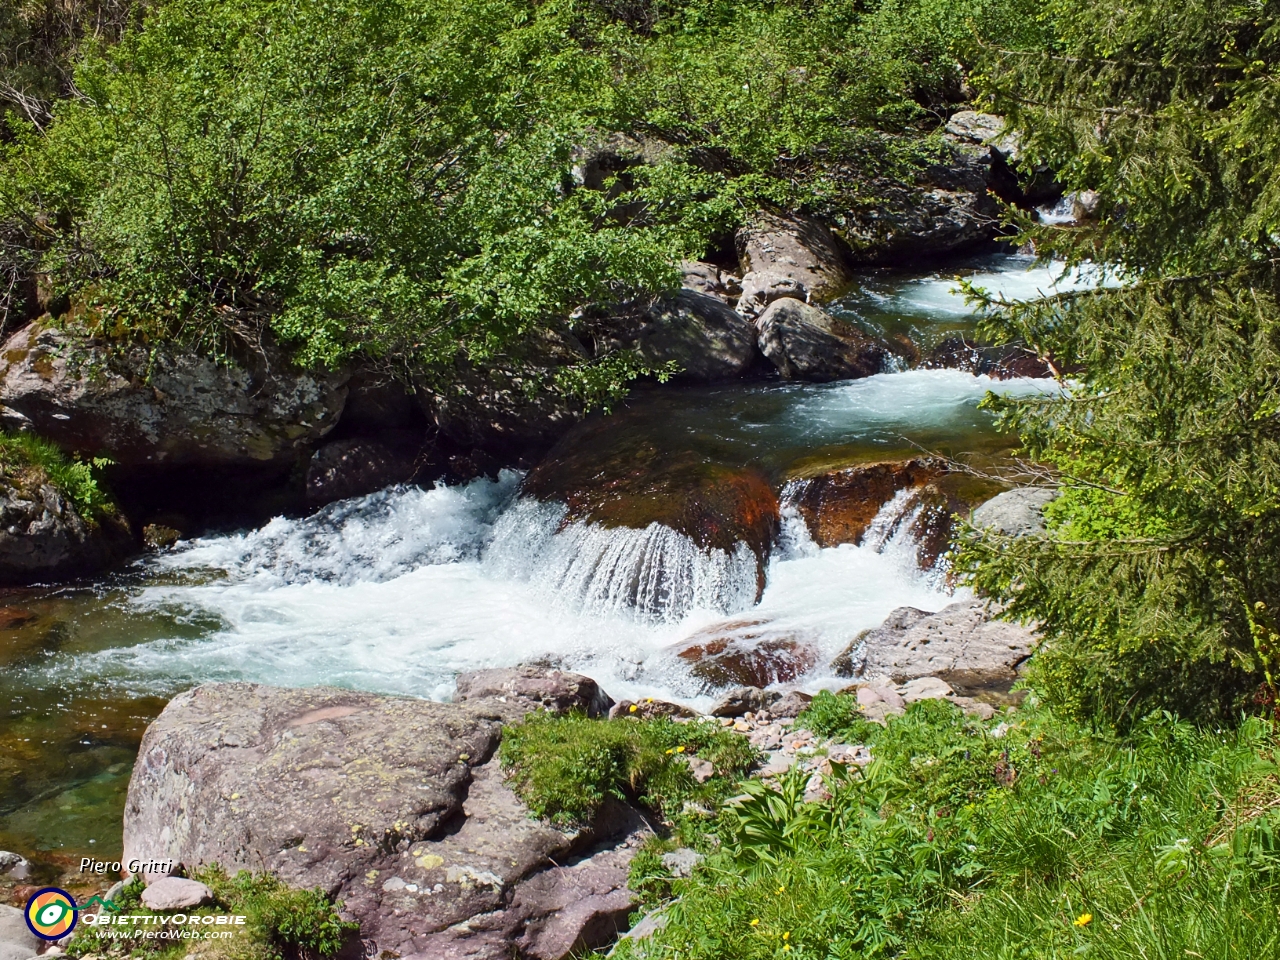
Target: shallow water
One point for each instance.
(401, 590)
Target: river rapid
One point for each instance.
(400, 590)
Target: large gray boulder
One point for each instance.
(698, 331)
(395, 806)
(148, 405)
(959, 644)
(789, 255)
(42, 534)
(806, 343)
(1015, 513)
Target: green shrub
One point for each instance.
(411, 195)
(566, 767)
(288, 922)
(28, 461)
(282, 923)
(836, 715)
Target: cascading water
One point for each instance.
(653, 574)
(399, 591)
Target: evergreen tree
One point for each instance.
(1159, 584)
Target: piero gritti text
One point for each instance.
(89, 865)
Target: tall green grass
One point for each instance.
(1030, 837)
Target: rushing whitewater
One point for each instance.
(401, 590)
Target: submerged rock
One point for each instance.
(745, 653)
(839, 506)
(959, 644)
(806, 343)
(1000, 363)
(140, 405)
(607, 477)
(394, 806)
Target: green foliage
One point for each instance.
(288, 922)
(566, 767)
(411, 194)
(1158, 584)
(282, 923)
(836, 715)
(28, 461)
(963, 839)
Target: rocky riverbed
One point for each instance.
(399, 808)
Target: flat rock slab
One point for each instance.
(395, 806)
(959, 644)
(176, 893)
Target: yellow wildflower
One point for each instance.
(670, 751)
(787, 935)
(781, 890)
(679, 749)
(632, 708)
(1083, 920)
(755, 922)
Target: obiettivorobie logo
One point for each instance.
(52, 913)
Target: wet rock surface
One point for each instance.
(839, 506)
(141, 406)
(809, 344)
(395, 806)
(746, 653)
(604, 479)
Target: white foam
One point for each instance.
(653, 574)
(1019, 278)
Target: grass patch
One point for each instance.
(836, 715)
(27, 461)
(1052, 840)
(282, 923)
(566, 767)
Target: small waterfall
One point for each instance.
(653, 574)
(794, 538)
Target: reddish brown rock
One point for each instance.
(746, 653)
(839, 506)
(550, 689)
(606, 478)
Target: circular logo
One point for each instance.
(51, 913)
